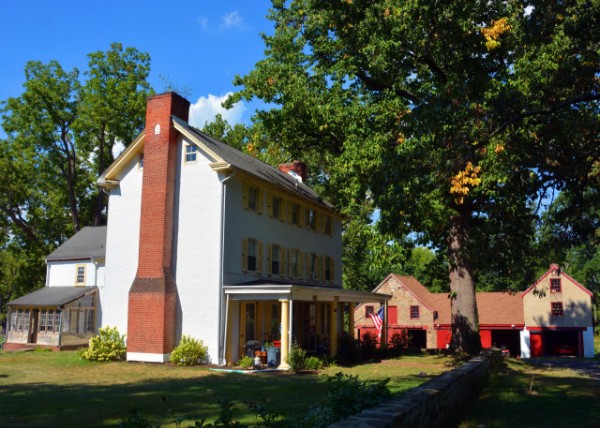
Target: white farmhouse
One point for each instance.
(206, 241)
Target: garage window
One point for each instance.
(557, 309)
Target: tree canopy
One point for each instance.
(60, 134)
(456, 119)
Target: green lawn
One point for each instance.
(523, 395)
(59, 389)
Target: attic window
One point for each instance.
(555, 285)
(414, 312)
(557, 309)
(191, 152)
(80, 275)
(369, 311)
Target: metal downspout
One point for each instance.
(222, 334)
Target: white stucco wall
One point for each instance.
(242, 223)
(525, 340)
(122, 246)
(196, 255)
(63, 273)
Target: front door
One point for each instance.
(247, 324)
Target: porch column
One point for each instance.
(351, 308)
(333, 327)
(285, 333)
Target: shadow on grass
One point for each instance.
(50, 405)
(521, 394)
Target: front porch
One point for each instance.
(52, 317)
(282, 314)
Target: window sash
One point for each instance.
(557, 309)
(555, 285)
(414, 312)
(190, 153)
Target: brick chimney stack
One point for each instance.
(296, 167)
(153, 295)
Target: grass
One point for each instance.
(523, 395)
(59, 389)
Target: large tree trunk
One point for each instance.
(465, 321)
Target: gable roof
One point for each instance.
(88, 243)
(493, 308)
(413, 285)
(224, 157)
(554, 267)
(52, 296)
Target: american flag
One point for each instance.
(378, 321)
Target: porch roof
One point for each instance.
(52, 296)
(300, 292)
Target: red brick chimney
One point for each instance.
(153, 294)
(297, 167)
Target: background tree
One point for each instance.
(112, 105)
(60, 133)
(456, 120)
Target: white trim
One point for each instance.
(147, 357)
(588, 342)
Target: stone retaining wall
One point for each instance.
(427, 405)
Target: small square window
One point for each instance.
(80, 277)
(275, 262)
(295, 214)
(555, 285)
(252, 255)
(414, 312)
(276, 207)
(328, 225)
(253, 198)
(191, 152)
(557, 309)
(311, 219)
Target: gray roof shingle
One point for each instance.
(255, 167)
(88, 243)
(52, 296)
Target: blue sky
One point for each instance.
(197, 45)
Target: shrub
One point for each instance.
(347, 396)
(246, 362)
(368, 346)
(108, 345)
(399, 343)
(189, 352)
(349, 351)
(296, 358)
(313, 363)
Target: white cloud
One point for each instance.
(206, 108)
(233, 20)
(203, 22)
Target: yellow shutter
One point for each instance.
(269, 265)
(282, 262)
(282, 209)
(259, 202)
(301, 272)
(302, 215)
(270, 204)
(332, 270)
(318, 268)
(288, 206)
(245, 196)
(259, 258)
(289, 261)
(244, 255)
